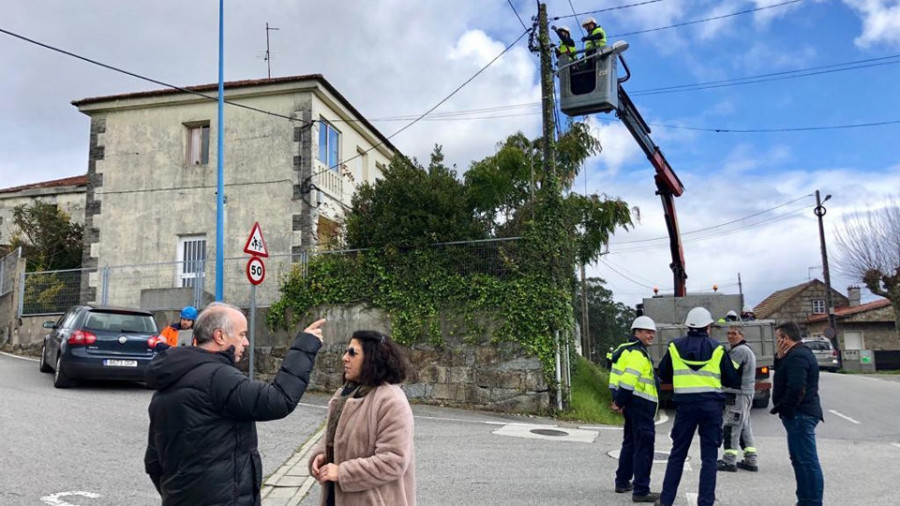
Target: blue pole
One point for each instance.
(220, 159)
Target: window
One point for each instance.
(197, 144)
(191, 258)
(329, 145)
(818, 306)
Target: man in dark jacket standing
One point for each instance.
(202, 447)
(795, 394)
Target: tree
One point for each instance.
(411, 206)
(609, 321)
(870, 251)
(50, 240)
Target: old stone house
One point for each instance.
(869, 326)
(68, 194)
(799, 303)
(295, 150)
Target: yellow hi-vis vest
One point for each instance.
(564, 49)
(615, 370)
(591, 44)
(637, 376)
(708, 378)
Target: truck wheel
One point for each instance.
(761, 403)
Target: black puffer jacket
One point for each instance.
(202, 448)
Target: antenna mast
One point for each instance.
(268, 54)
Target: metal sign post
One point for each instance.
(252, 326)
(256, 274)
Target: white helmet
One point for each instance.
(747, 309)
(644, 323)
(698, 318)
(564, 29)
(588, 21)
(731, 313)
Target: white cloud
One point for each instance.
(881, 22)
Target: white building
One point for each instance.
(295, 151)
(68, 194)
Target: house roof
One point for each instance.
(841, 312)
(214, 87)
(68, 181)
(773, 302)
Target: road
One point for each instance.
(91, 439)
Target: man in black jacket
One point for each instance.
(202, 447)
(795, 394)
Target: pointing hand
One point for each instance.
(315, 328)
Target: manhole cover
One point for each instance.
(549, 432)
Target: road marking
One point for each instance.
(896, 444)
(663, 418)
(18, 357)
(692, 498)
(688, 467)
(845, 417)
(54, 499)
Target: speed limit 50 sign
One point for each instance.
(256, 270)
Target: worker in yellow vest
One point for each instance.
(566, 44)
(595, 38)
(698, 369)
(636, 396)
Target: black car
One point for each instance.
(99, 343)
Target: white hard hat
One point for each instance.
(564, 29)
(748, 309)
(698, 318)
(731, 313)
(588, 21)
(644, 323)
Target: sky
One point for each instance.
(750, 154)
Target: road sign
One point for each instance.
(256, 270)
(256, 245)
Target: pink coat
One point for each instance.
(373, 447)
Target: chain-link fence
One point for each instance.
(8, 271)
(173, 285)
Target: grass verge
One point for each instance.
(590, 395)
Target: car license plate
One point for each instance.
(120, 363)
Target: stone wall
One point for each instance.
(483, 374)
(877, 327)
(799, 308)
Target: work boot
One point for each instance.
(743, 464)
(721, 465)
(648, 497)
(626, 488)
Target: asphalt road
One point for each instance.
(91, 440)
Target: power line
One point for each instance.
(513, 7)
(775, 130)
(145, 78)
(706, 20)
(604, 262)
(620, 7)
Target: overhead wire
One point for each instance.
(513, 7)
(706, 20)
(607, 9)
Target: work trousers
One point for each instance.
(689, 417)
(636, 457)
(801, 438)
(738, 432)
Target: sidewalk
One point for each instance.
(291, 482)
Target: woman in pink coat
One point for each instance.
(367, 455)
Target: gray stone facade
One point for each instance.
(800, 307)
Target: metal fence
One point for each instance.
(8, 271)
(173, 285)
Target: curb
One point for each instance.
(291, 482)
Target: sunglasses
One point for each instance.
(352, 352)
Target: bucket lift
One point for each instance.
(590, 85)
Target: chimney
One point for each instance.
(853, 295)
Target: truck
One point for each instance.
(669, 313)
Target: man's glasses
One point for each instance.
(352, 352)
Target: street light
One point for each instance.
(831, 331)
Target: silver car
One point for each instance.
(826, 355)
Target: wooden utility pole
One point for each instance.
(547, 88)
(586, 344)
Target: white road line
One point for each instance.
(845, 417)
(663, 418)
(896, 444)
(692, 498)
(18, 357)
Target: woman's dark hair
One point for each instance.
(383, 360)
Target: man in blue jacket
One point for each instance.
(795, 395)
(636, 395)
(698, 369)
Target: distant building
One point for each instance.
(798, 303)
(869, 326)
(68, 194)
(151, 197)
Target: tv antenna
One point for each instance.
(268, 57)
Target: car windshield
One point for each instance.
(120, 322)
(818, 345)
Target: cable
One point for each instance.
(148, 79)
(620, 7)
(774, 130)
(413, 122)
(513, 7)
(202, 187)
(630, 272)
(704, 20)
(604, 262)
